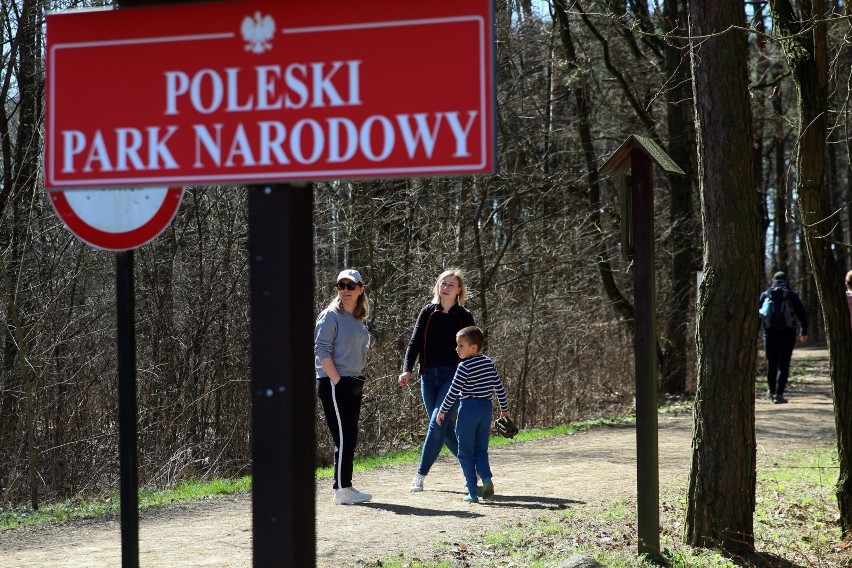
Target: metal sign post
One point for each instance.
(282, 375)
(125, 304)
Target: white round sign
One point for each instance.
(117, 219)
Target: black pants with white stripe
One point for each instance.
(341, 404)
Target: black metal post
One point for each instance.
(125, 307)
(644, 289)
(282, 375)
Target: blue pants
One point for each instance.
(473, 428)
(778, 346)
(434, 384)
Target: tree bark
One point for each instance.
(723, 447)
(803, 38)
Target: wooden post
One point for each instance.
(645, 337)
(634, 162)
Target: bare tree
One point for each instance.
(21, 93)
(803, 37)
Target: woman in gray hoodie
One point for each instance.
(341, 340)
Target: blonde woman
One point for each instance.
(341, 339)
(433, 346)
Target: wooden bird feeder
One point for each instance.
(633, 160)
(632, 163)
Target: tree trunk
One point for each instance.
(804, 46)
(723, 447)
(682, 241)
(20, 180)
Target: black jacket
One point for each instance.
(434, 338)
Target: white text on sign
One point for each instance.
(330, 140)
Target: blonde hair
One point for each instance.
(362, 305)
(457, 274)
(849, 279)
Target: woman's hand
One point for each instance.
(403, 378)
(439, 418)
(330, 370)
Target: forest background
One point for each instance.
(539, 242)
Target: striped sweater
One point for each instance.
(476, 377)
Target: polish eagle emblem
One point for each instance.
(258, 32)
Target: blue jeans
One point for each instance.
(472, 429)
(434, 384)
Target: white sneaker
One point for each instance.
(417, 483)
(349, 496)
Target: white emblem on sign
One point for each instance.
(258, 32)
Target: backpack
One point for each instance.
(776, 311)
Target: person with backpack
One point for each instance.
(782, 314)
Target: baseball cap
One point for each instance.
(776, 276)
(350, 274)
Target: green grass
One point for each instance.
(108, 505)
(794, 520)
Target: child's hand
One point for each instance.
(506, 414)
(439, 418)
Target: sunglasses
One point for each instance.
(346, 286)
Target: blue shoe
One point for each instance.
(470, 499)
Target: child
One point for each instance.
(475, 381)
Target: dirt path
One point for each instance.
(531, 478)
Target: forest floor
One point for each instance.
(532, 479)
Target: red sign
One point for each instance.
(269, 90)
(117, 219)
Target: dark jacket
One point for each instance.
(434, 338)
(795, 302)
